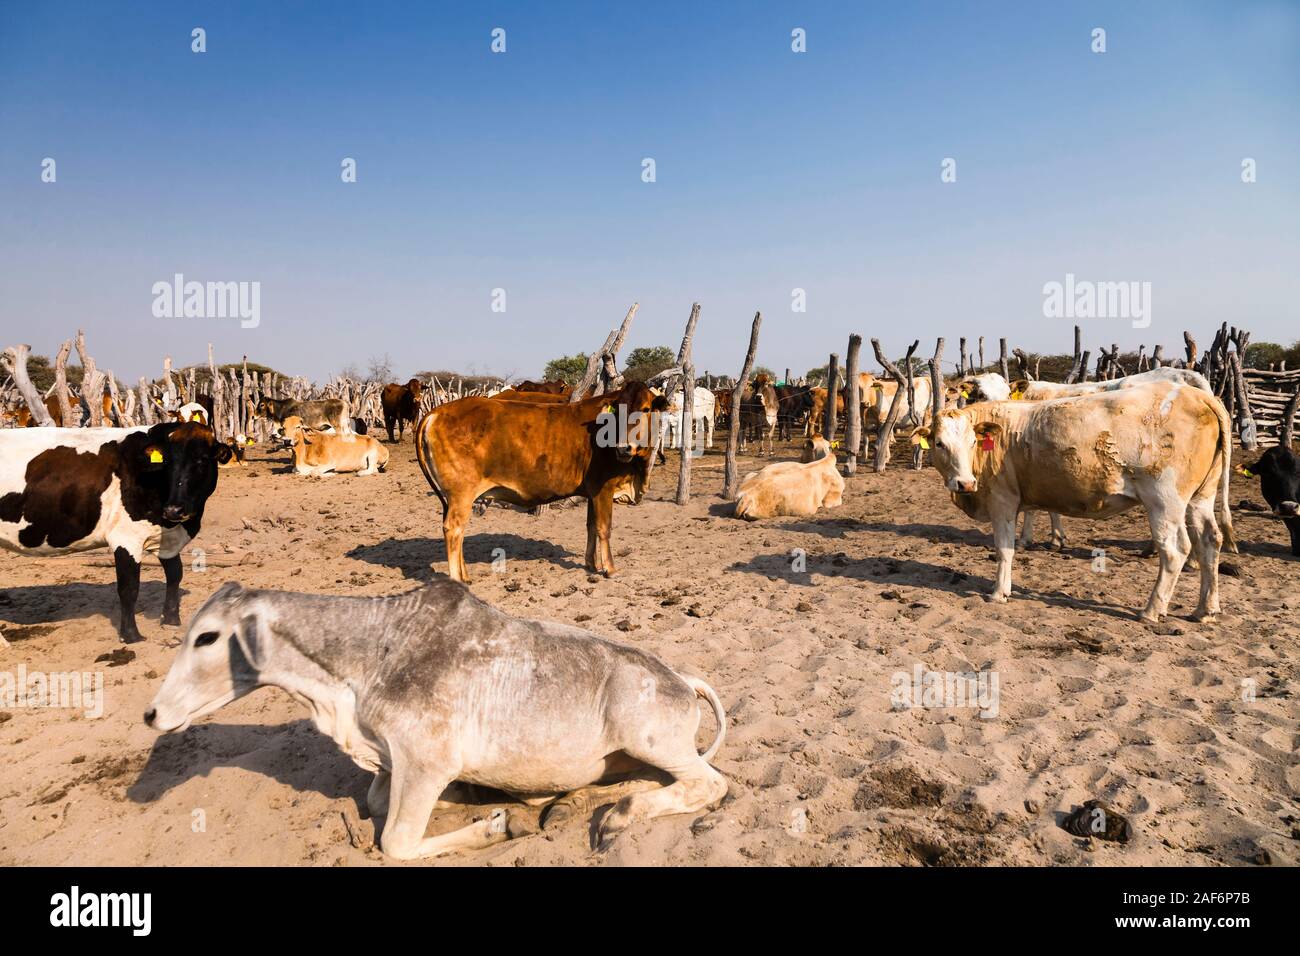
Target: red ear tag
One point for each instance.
(986, 443)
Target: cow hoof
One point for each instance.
(172, 619)
(558, 813)
(615, 822)
(130, 638)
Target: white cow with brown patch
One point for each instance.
(1164, 446)
(797, 489)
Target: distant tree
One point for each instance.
(764, 370)
(202, 377)
(1264, 354)
(568, 368)
(40, 369)
(446, 378)
(642, 363)
(380, 369)
(816, 377)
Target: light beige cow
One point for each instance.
(993, 387)
(326, 453)
(877, 399)
(1039, 391)
(1165, 446)
(791, 488)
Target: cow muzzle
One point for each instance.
(964, 487)
(625, 453)
(175, 513)
(1287, 509)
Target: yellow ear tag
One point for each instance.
(609, 409)
(924, 444)
(1016, 396)
(155, 456)
(1248, 473)
(196, 417)
(965, 393)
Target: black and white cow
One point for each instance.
(129, 489)
(1278, 471)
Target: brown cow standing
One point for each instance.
(550, 388)
(529, 454)
(758, 410)
(401, 405)
(539, 398)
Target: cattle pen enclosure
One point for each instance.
(816, 632)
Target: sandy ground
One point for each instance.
(823, 768)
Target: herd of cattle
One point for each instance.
(506, 695)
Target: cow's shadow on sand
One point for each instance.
(419, 558)
(295, 754)
(911, 573)
(55, 603)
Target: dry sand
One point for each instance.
(823, 770)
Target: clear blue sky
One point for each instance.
(775, 170)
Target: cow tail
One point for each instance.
(422, 456)
(708, 693)
(1225, 450)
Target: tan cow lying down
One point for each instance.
(798, 489)
(324, 453)
(1165, 446)
(1039, 391)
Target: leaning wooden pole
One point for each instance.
(16, 360)
(885, 435)
(852, 405)
(731, 480)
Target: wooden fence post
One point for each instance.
(731, 480)
(832, 394)
(852, 405)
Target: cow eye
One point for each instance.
(206, 638)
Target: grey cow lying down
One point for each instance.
(434, 686)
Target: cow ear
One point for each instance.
(987, 428)
(224, 452)
(251, 640)
(921, 436)
(659, 404)
(1020, 384)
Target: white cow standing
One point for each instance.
(703, 415)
